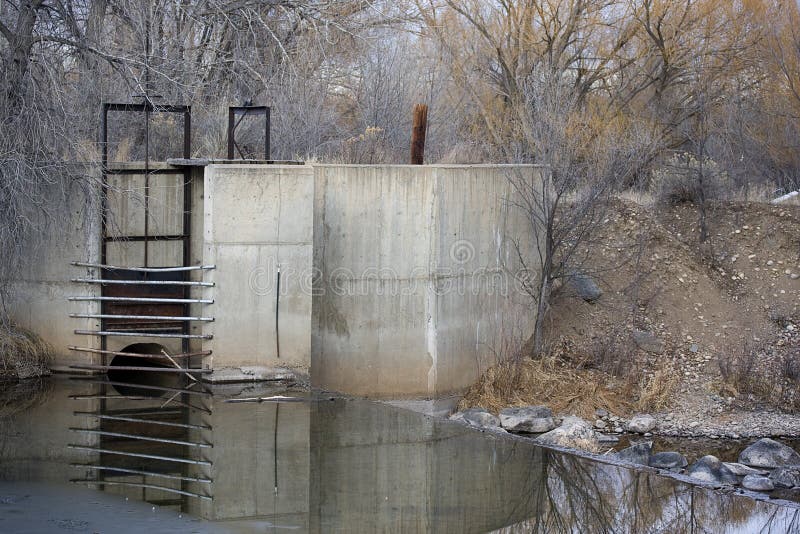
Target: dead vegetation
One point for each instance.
(23, 354)
(549, 380)
(724, 316)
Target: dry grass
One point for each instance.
(23, 354)
(22, 396)
(657, 390)
(549, 381)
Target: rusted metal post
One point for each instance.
(418, 128)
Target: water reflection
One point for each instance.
(340, 465)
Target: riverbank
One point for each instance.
(703, 336)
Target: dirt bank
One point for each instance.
(706, 336)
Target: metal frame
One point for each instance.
(148, 108)
(244, 111)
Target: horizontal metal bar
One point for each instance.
(142, 386)
(146, 106)
(140, 398)
(144, 269)
(138, 354)
(142, 334)
(140, 472)
(142, 282)
(134, 368)
(145, 327)
(142, 438)
(139, 420)
(274, 398)
(140, 455)
(138, 485)
(143, 299)
(133, 238)
(123, 171)
(153, 317)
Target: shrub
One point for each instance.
(685, 179)
(23, 354)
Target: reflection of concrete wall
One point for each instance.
(416, 268)
(33, 440)
(259, 218)
(379, 469)
(244, 461)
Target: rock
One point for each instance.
(710, 469)
(601, 413)
(668, 460)
(637, 454)
(741, 470)
(607, 438)
(757, 483)
(648, 342)
(600, 424)
(585, 287)
(694, 348)
(618, 429)
(787, 476)
(574, 432)
(642, 423)
(477, 417)
(768, 453)
(530, 419)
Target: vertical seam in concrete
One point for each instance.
(432, 300)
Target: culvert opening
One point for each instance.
(145, 371)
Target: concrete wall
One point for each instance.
(415, 289)
(39, 291)
(258, 218)
(412, 271)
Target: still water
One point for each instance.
(97, 455)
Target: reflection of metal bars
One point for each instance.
(233, 124)
(138, 420)
(140, 437)
(138, 485)
(141, 472)
(149, 444)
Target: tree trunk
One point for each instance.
(18, 56)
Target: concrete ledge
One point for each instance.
(442, 407)
(255, 374)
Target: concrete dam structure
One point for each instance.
(392, 281)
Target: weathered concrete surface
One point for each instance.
(250, 441)
(410, 272)
(415, 276)
(258, 219)
(392, 471)
(39, 291)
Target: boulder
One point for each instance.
(574, 432)
(585, 287)
(741, 470)
(637, 454)
(787, 476)
(641, 423)
(668, 460)
(477, 417)
(769, 453)
(531, 419)
(710, 469)
(648, 342)
(757, 483)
